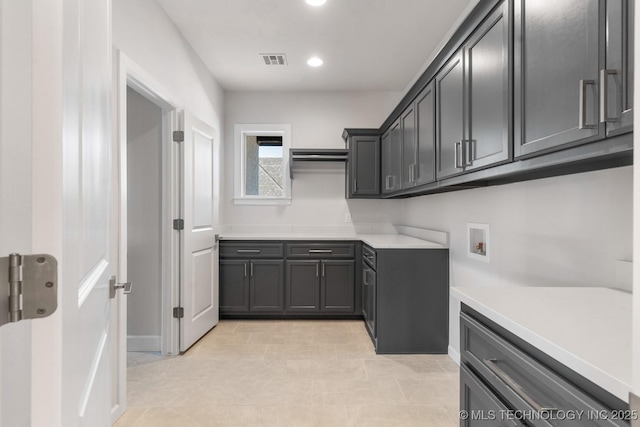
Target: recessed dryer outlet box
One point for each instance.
(478, 241)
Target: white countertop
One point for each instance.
(376, 241)
(585, 329)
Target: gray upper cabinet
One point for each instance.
(408, 137)
(392, 159)
(558, 50)
(424, 170)
(487, 140)
(450, 117)
(363, 167)
(473, 100)
(616, 80)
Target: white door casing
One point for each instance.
(199, 248)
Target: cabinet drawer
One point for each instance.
(525, 383)
(320, 250)
(251, 250)
(369, 255)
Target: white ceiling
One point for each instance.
(373, 45)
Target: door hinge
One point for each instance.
(178, 224)
(178, 136)
(178, 312)
(33, 287)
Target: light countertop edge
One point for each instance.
(376, 241)
(610, 369)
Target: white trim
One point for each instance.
(144, 343)
(240, 132)
(454, 355)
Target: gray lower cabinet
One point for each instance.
(234, 286)
(251, 285)
(265, 285)
(320, 286)
(363, 166)
(504, 378)
(557, 59)
(289, 279)
(406, 299)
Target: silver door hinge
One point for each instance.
(32, 287)
(178, 224)
(178, 136)
(178, 312)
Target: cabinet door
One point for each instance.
(450, 117)
(487, 72)
(616, 98)
(424, 165)
(267, 278)
(369, 298)
(484, 407)
(391, 159)
(337, 292)
(234, 286)
(365, 166)
(408, 137)
(556, 62)
(303, 286)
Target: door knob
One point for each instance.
(114, 286)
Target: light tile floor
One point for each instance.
(290, 373)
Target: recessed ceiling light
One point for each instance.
(316, 2)
(315, 62)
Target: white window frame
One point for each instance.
(241, 131)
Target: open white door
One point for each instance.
(199, 248)
(87, 229)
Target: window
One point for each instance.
(261, 173)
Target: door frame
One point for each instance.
(128, 74)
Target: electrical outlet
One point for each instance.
(347, 217)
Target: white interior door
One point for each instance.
(88, 232)
(199, 249)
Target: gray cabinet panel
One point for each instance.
(485, 408)
(488, 97)
(369, 299)
(450, 117)
(557, 52)
(320, 250)
(252, 250)
(408, 138)
(234, 286)
(338, 286)
(616, 108)
(365, 166)
(267, 277)
(391, 159)
(424, 167)
(303, 286)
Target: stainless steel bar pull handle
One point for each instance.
(582, 120)
(604, 96)
(245, 269)
(458, 155)
(468, 152)
(251, 269)
(515, 387)
(248, 251)
(317, 270)
(320, 251)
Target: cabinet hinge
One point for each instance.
(32, 287)
(178, 136)
(178, 224)
(178, 312)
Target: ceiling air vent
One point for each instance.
(274, 58)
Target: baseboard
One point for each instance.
(144, 343)
(454, 355)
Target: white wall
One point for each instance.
(561, 231)
(317, 120)
(144, 205)
(143, 31)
